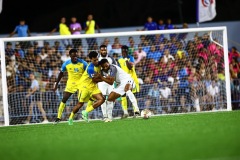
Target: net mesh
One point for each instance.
(178, 73)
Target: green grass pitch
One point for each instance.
(214, 136)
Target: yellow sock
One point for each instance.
(89, 104)
(60, 109)
(124, 105)
(89, 108)
(71, 115)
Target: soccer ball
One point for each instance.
(146, 113)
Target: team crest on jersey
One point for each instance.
(76, 70)
(207, 3)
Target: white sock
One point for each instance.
(109, 109)
(133, 99)
(104, 109)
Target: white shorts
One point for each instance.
(120, 88)
(105, 88)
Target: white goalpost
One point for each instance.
(180, 71)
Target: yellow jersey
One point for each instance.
(74, 70)
(63, 29)
(132, 72)
(86, 79)
(91, 27)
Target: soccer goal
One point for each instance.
(179, 71)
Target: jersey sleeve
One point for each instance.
(131, 59)
(113, 71)
(90, 71)
(63, 68)
(84, 63)
(113, 61)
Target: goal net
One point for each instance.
(179, 71)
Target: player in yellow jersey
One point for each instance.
(75, 67)
(89, 89)
(126, 63)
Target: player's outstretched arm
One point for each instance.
(58, 80)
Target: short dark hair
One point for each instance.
(72, 51)
(102, 61)
(125, 47)
(93, 54)
(103, 46)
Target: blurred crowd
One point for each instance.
(176, 74)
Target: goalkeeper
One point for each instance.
(75, 68)
(126, 63)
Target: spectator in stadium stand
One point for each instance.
(184, 93)
(150, 25)
(161, 25)
(132, 47)
(153, 97)
(234, 69)
(129, 40)
(205, 40)
(43, 54)
(19, 52)
(154, 54)
(233, 54)
(23, 31)
(75, 28)
(9, 51)
(146, 46)
(169, 25)
(58, 47)
(66, 55)
(182, 36)
(106, 43)
(63, 29)
(37, 49)
(165, 93)
(116, 48)
(139, 54)
(35, 96)
(90, 26)
(213, 94)
(167, 56)
(81, 53)
(46, 46)
(142, 39)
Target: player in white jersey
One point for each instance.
(105, 88)
(125, 83)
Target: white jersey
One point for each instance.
(104, 87)
(118, 73)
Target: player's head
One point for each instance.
(103, 50)
(73, 55)
(124, 51)
(93, 55)
(104, 64)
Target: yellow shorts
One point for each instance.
(87, 93)
(72, 88)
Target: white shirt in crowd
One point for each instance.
(34, 84)
(213, 91)
(166, 58)
(165, 92)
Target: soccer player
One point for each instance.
(106, 88)
(75, 67)
(126, 63)
(89, 89)
(124, 81)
